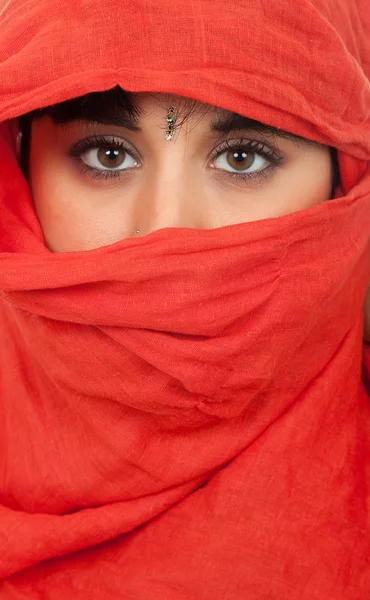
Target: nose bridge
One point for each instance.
(169, 196)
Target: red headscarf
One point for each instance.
(183, 414)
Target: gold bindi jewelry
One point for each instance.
(171, 123)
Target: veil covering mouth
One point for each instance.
(185, 415)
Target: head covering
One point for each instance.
(183, 414)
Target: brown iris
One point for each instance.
(111, 157)
(240, 160)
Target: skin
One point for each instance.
(172, 184)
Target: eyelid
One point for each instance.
(100, 141)
(254, 145)
(268, 151)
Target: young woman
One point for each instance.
(100, 165)
(184, 259)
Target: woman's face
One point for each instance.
(94, 184)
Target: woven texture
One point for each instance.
(185, 415)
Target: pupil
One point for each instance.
(240, 156)
(111, 157)
(114, 152)
(240, 160)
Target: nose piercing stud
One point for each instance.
(171, 123)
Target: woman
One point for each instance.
(221, 169)
(184, 259)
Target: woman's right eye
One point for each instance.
(111, 158)
(103, 157)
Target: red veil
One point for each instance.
(184, 415)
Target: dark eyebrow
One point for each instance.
(110, 114)
(226, 122)
(118, 120)
(113, 107)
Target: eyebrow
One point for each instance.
(120, 119)
(227, 122)
(224, 122)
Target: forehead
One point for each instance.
(116, 107)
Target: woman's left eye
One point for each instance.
(245, 159)
(240, 161)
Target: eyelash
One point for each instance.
(257, 147)
(99, 142)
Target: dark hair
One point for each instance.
(112, 102)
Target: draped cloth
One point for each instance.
(185, 415)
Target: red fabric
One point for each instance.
(185, 415)
(366, 367)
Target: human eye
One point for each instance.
(245, 159)
(104, 157)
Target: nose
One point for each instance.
(170, 192)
